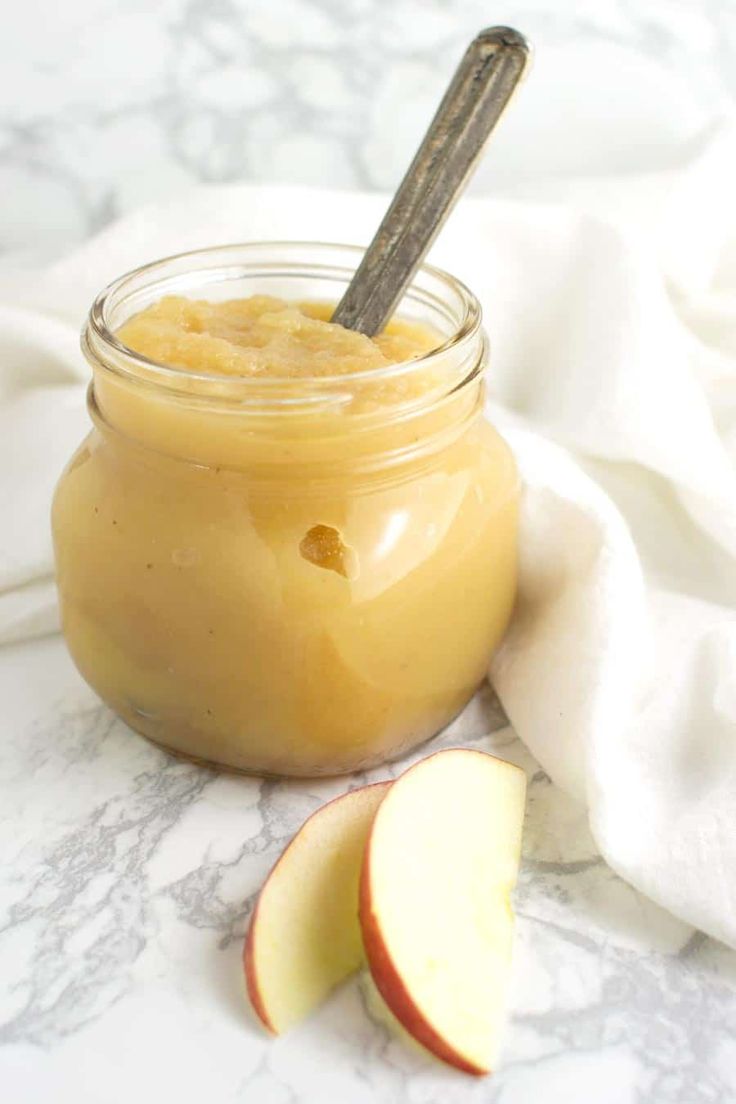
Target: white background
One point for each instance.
(106, 104)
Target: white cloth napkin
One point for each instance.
(613, 330)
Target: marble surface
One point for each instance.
(126, 883)
(104, 105)
(126, 877)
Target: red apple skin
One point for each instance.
(391, 986)
(249, 958)
(388, 979)
(251, 976)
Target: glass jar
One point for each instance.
(286, 576)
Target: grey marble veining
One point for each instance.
(126, 877)
(126, 883)
(104, 105)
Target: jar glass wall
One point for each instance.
(286, 576)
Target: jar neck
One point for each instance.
(374, 426)
(366, 418)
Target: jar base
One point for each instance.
(244, 772)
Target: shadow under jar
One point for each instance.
(292, 576)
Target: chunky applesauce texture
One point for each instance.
(265, 336)
(306, 589)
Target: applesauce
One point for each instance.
(284, 547)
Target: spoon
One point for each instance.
(472, 105)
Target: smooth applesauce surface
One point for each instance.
(303, 589)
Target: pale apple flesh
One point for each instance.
(304, 936)
(435, 901)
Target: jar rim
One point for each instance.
(99, 334)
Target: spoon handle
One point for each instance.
(471, 107)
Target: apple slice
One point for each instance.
(435, 901)
(304, 935)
